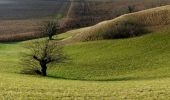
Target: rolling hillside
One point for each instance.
(89, 12)
(129, 68)
(116, 59)
(76, 13)
(134, 68)
(152, 20)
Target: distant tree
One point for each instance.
(42, 53)
(131, 8)
(50, 28)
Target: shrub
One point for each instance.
(125, 29)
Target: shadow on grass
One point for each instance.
(9, 42)
(111, 79)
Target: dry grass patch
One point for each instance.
(159, 16)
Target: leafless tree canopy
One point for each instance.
(50, 28)
(41, 53)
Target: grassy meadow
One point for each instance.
(99, 68)
(134, 68)
(32, 88)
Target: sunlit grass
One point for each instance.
(140, 57)
(31, 87)
(134, 68)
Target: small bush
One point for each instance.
(125, 29)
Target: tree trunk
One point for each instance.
(50, 37)
(43, 69)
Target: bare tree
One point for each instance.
(42, 53)
(50, 28)
(131, 8)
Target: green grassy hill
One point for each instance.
(135, 58)
(132, 58)
(132, 68)
(124, 69)
(122, 58)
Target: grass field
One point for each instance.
(21, 87)
(134, 68)
(117, 69)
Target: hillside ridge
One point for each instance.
(159, 16)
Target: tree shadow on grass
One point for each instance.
(9, 42)
(111, 79)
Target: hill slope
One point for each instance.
(89, 12)
(76, 13)
(134, 58)
(149, 20)
(134, 68)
